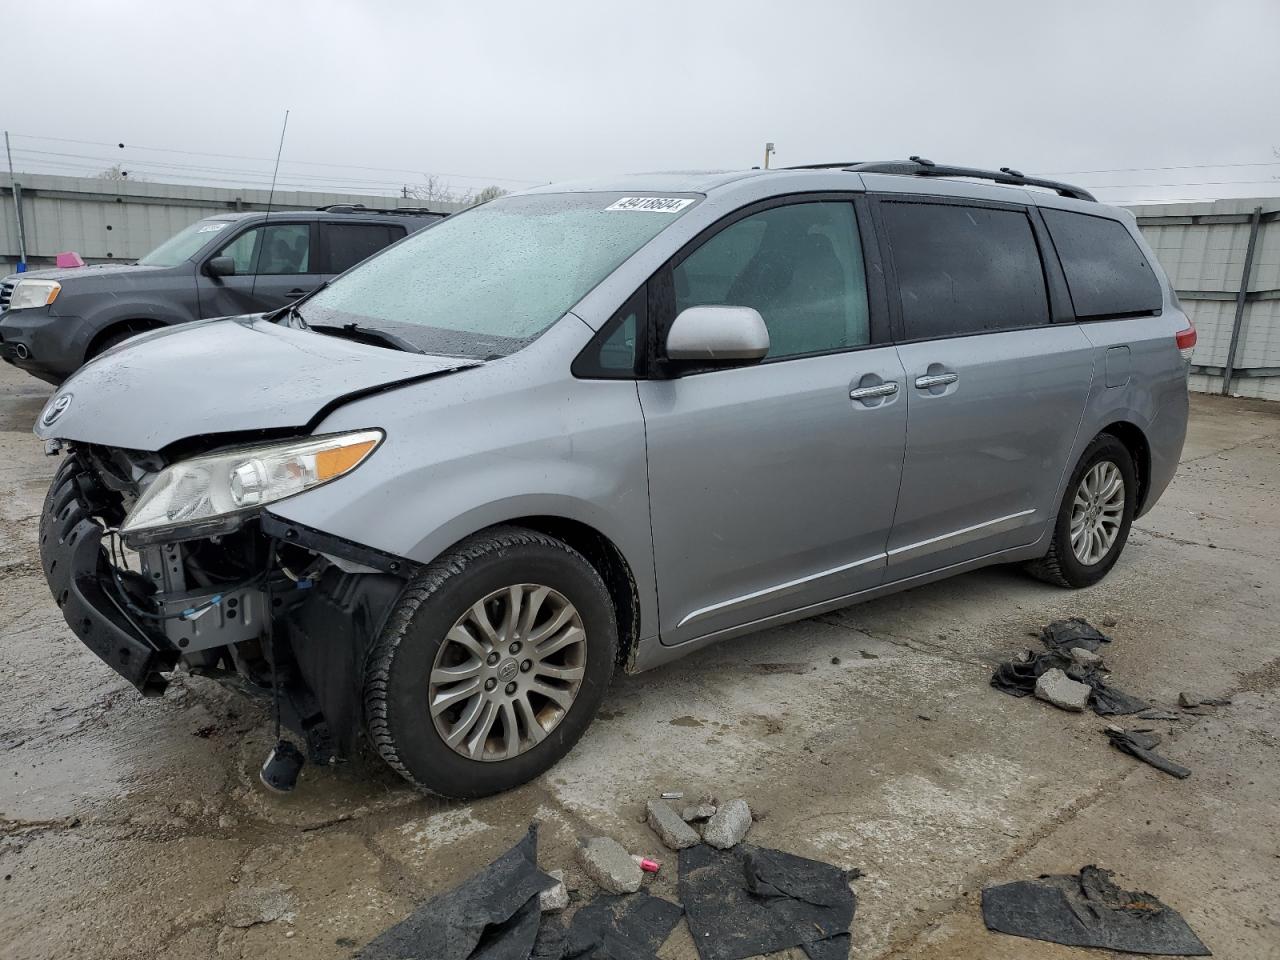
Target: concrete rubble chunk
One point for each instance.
(248, 906)
(1057, 688)
(666, 823)
(702, 811)
(607, 862)
(556, 898)
(729, 825)
(1086, 658)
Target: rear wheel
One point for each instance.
(491, 665)
(1093, 520)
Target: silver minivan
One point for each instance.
(596, 426)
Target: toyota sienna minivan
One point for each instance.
(596, 426)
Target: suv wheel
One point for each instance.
(491, 665)
(1094, 518)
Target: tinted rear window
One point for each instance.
(965, 269)
(1107, 274)
(349, 243)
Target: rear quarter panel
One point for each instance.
(1154, 395)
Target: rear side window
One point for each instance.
(349, 243)
(1107, 274)
(965, 270)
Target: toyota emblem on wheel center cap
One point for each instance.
(507, 672)
(56, 409)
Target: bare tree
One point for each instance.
(434, 190)
(115, 172)
(490, 193)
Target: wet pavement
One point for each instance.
(132, 828)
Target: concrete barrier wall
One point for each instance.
(105, 220)
(1205, 248)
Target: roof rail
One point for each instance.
(920, 167)
(361, 208)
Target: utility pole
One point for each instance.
(16, 189)
(768, 152)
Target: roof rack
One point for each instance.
(920, 167)
(361, 208)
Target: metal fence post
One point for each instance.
(1229, 369)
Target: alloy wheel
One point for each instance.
(507, 672)
(1097, 512)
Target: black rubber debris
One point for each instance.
(1142, 744)
(1018, 677)
(1063, 635)
(1107, 701)
(549, 944)
(491, 916)
(750, 900)
(1089, 910)
(630, 927)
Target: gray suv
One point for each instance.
(597, 426)
(52, 321)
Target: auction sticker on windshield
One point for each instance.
(651, 204)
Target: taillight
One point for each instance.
(1186, 340)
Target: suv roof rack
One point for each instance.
(361, 208)
(920, 167)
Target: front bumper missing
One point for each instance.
(74, 565)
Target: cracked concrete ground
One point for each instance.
(133, 828)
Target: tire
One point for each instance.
(114, 340)
(1061, 565)
(406, 660)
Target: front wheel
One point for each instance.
(492, 664)
(1093, 521)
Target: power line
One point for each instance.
(311, 163)
(1188, 183)
(201, 167)
(1190, 166)
(252, 181)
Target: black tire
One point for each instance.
(114, 340)
(1060, 566)
(397, 716)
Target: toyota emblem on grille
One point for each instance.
(56, 409)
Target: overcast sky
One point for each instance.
(523, 93)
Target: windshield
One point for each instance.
(486, 282)
(183, 244)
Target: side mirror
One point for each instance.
(718, 334)
(221, 267)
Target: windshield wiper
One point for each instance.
(296, 320)
(291, 309)
(370, 335)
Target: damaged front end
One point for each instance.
(154, 572)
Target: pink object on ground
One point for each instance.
(68, 259)
(649, 866)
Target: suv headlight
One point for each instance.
(205, 496)
(34, 293)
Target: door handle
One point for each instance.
(296, 292)
(878, 390)
(936, 380)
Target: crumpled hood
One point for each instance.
(221, 376)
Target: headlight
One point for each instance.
(34, 293)
(205, 496)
